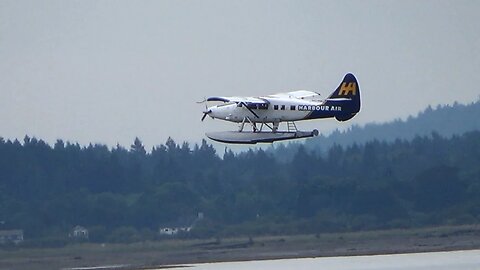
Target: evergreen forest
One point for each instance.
(127, 194)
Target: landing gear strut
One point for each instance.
(291, 127)
(245, 120)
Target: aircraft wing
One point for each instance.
(247, 100)
(300, 94)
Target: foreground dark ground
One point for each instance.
(156, 254)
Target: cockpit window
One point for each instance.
(263, 106)
(253, 106)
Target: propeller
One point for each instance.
(245, 105)
(205, 113)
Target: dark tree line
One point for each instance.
(46, 190)
(446, 120)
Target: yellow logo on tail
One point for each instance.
(346, 89)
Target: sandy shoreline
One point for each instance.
(155, 255)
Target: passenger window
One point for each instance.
(275, 107)
(292, 107)
(283, 107)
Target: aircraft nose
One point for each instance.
(212, 112)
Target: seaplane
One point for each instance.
(265, 113)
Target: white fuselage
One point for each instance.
(278, 110)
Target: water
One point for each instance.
(452, 260)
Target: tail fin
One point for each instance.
(347, 95)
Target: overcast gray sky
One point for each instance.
(107, 71)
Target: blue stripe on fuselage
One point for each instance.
(329, 109)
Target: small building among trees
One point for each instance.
(79, 232)
(11, 236)
(174, 231)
